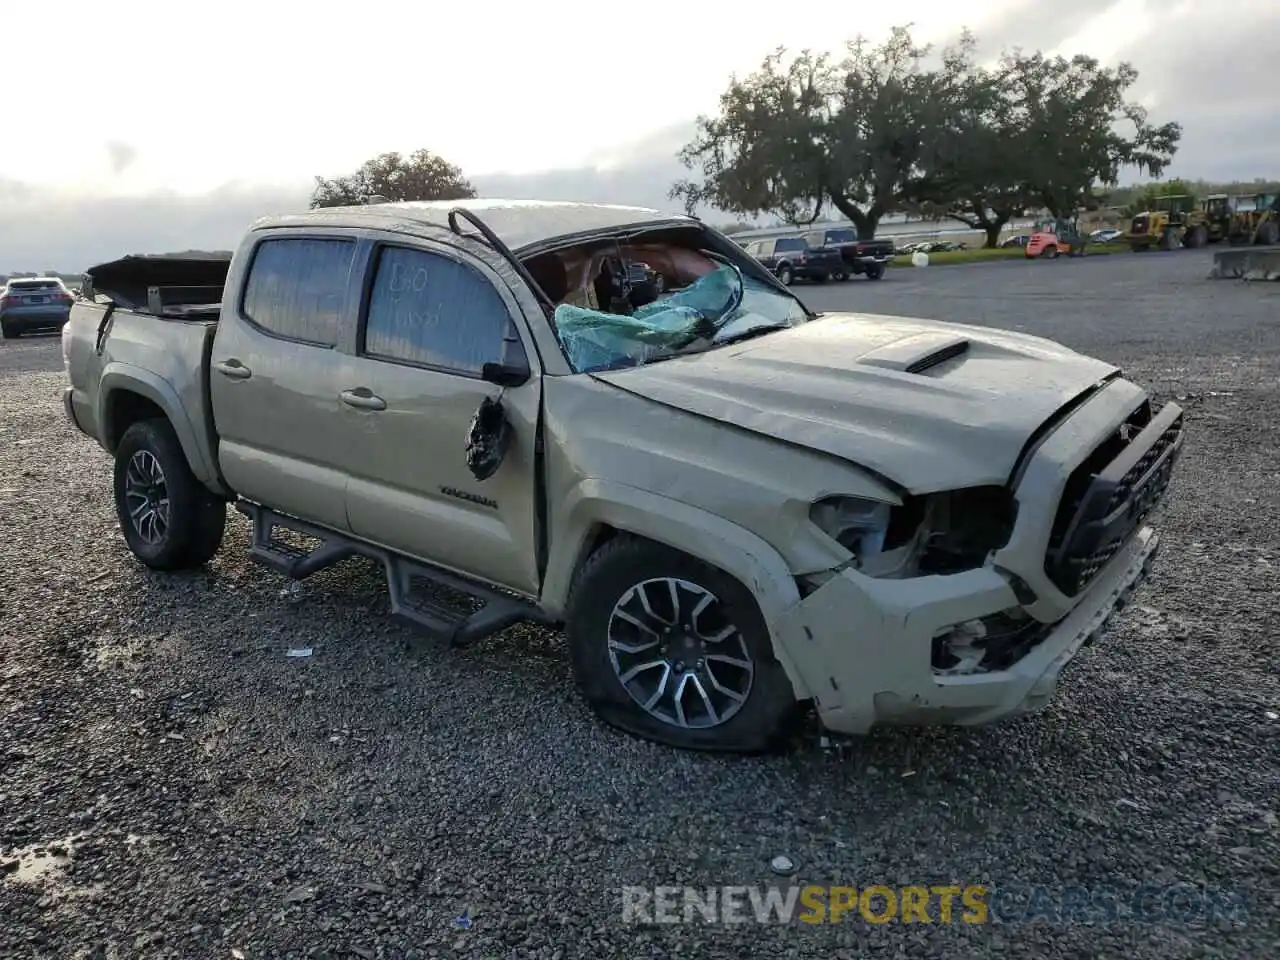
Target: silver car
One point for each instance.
(34, 303)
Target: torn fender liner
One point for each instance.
(487, 439)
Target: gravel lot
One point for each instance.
(221, 800)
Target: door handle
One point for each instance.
(362, 399)
(234, 369)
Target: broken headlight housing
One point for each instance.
(937, 533)
(857, 524)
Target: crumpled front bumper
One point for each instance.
(863, 648)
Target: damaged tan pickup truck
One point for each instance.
(615, 420)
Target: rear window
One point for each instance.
(297, 288)
(36, 286)
(841, 236)
(793, 243)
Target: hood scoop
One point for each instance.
(917, 353)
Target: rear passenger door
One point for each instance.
(273, 374)
(432, 316)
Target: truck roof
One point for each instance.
(518, 223)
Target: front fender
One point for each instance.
(118, 377)
(700, 534)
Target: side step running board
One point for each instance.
(409, 582)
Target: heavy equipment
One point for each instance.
(1257, 222)
(1211, 223)
(1163, 225)
(1055, 236)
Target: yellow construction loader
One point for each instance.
(1212, 223)
(1257, 222)
(1164, 225)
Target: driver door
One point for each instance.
(432, 316)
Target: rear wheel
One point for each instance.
(8, 332)
(169, 519)
(875, 271)
(675, 651)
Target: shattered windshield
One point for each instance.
(716, 307)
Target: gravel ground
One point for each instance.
(218, 799)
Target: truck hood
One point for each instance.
(928, 405)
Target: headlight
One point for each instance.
(856, 524)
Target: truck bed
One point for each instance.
(166, 357)
(165, 285)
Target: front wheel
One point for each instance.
(840, 277)
(671, 650)
(785, 276)
(169, 519)
(1269, 233)
(875, 271)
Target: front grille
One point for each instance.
(1107, 498)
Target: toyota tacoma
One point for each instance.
(737, 509)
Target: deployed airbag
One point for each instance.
(594, 339)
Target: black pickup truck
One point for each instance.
(793, 258)
(869, 257)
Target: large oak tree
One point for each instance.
(892, 127)
(420, 176)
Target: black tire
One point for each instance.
(766, 717)
(1269, 233)
(196, 518)
(8, 332)
(875, 271)
(1049, 253)
(785, 276)
(840, 277)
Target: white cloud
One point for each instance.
(175, 127)
(270, 91)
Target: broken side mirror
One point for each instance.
(506, 374)
(513, 369)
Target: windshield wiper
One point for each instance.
(752, 333)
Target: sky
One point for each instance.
(173, 127)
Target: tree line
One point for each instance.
(894, 127)
(1134, 199)
(889, 127)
